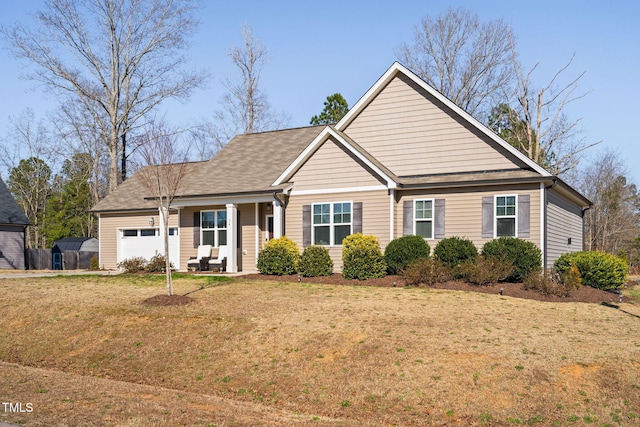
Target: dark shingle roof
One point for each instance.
(10, 212)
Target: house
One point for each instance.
(13, 225)
(70, 253)
(404, 160)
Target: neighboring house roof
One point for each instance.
(10, 211)
(74, 243)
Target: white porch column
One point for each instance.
(278, 219)
(232, 238)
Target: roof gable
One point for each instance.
(489, 146)
(349, 146)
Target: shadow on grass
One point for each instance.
(211, 281)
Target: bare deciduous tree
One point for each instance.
(466, 60)
(118, 58)
(164, 166)
(612, 224)
(245, 108)
(546, 135)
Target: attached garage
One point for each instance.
(147, 243)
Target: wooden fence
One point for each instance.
(42, 259)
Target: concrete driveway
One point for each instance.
(21, 274)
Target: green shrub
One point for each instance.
(280, 257)
(428, 271)
(157, 264)
(94, 264)
(525, 256)
(455, 251)
(401, 251)
(485, 270)
(598, 270)
(315, 261)
(132, 265)
(362, 258)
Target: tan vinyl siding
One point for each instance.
(412, 133)
(110, 223)
(564, 222)
(332, 167)
(375, 217)
(463, 211)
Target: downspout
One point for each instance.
(584, 248)
(545, 222)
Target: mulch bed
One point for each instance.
(166, 300)
(584, 294)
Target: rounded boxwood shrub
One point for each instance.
(455, 251)
(525, 256)
(280, 257)
(598, 270)
(315, 261)
(401, 251)
(362, 258)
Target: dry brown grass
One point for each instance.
(85, 351)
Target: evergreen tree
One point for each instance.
(335, 108)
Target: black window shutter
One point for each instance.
(357, 217)
(306, 225)
(524, 215)
(487, 217)
(407, 217)
(196, 229)
(439, 219)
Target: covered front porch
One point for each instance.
(241, 223)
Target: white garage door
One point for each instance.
(146, 243)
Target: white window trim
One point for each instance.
(415, 220)
(215, 229)
(495, 215)
(331, 223)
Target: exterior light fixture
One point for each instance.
(151, 221)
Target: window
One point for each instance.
(213, 228)
(331, 223)
(173, 231)
(423, 218)
(129, 233)
(506, 216)
(148, 232)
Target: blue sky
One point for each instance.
(319, 48)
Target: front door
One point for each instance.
(268, 220)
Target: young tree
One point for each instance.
(245, 108)
(118, 58)
(466, 60)
(335, 107)
(164, 168)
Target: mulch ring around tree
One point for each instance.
(517, 290)
(166, 300)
